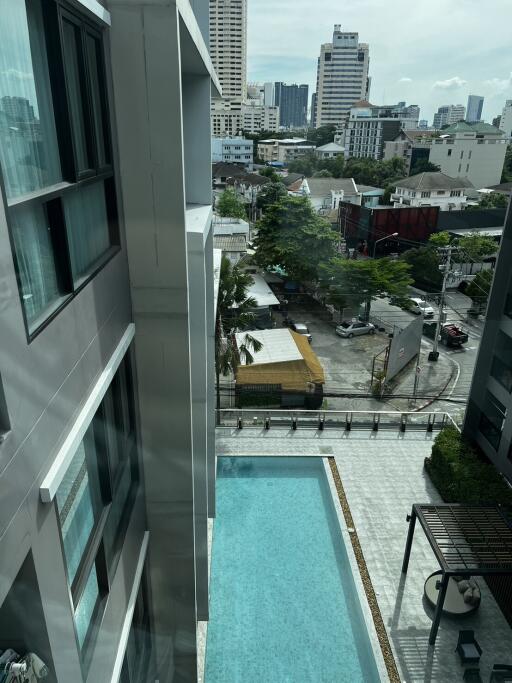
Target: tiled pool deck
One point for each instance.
(383, 476)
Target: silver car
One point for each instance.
(354, 328)
(418, 306)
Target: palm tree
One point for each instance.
(234, 313)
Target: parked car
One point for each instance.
(451, 335)
(419, 306)
(301, 328)
(354, 328)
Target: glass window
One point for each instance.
(501, 368)
(29, 153)
(87, 226)
(79, 502)
(86, 607)
(74, 68)
(491, 420)
(98, 99)
(137, 659)
(33, 241)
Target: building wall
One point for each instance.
(255, 119)
(481, 162)
(292, 101)
(506, 119)
(228, 46)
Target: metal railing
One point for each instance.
(320, 420)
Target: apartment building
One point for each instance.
(474, 108)
(237, 150)
(256, 118)
(506, 119)
(342, 77)
(368, 128)
(228, 46)
(107, 316)
(292, 101)
(261, 93)
(473, 151)
(283, 151)
(489, 413)
(449, 114)
(408, 114)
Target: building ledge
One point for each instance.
(198, 221)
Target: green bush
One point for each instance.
(461, 476)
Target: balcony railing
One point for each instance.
(320, 420)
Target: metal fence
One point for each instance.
(333, 419)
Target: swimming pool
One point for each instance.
(283, 602)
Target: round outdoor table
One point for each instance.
(454, 604)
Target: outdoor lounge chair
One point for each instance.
(472, 676)
(468, 648)
(501, 673)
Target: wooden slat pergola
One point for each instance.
(467, 540)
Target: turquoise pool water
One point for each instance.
(283, 604)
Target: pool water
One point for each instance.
(283, 603)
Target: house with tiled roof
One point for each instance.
(432, 189)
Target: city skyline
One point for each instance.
(428, 76)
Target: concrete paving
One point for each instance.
(383, 476)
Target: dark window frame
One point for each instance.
(53, 13)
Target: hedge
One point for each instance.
(461, 476)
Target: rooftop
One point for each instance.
(283, 141)
(479, 127)
(323, 186)
(278, 346)
(434, 180)
(253, 179)
(221, 169)
(230, 242)
(330, 147)
(260, 291)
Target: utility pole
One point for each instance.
(434, 354)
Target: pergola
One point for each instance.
(468, 540)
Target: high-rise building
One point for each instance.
(342, 77)
(107, 317)
(369, 127)
(228, 46)
(489, 413)
(449, 114)
(474, 108)
(506, 119)
(261, 93)
(409, 115)
(18, 108)
(292, 101)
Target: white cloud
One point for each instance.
(405, 79)
(450, 83)
(499, 84)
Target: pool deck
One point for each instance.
(382, 474)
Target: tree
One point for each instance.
(270, 194)
(424, 166)
(368, 171)
(335, 165)
(230, 204)
(479, 288)
(473, 248)
(357, 282)
(305, 165)
(506, 176)
(270, 173)
(324, 173)
(234, 313)
(491, 200)
(440, 239)
(293, 237)
(424, 263)
(322, 135)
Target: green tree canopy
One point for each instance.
(324, 173)
(352, 283)
(293, 237)
(230, 204)
(424, 263)
(424, 166)
(322, 135)
(269, 172)
(270, 194)
(373, 172)
(479, 288)
(440, 239)
(305, 165)
(234, 313)
(492, 200)
(474, 248)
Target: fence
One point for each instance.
(333, 419)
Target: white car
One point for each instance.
(419, 306)
(354, 328)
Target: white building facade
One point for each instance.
(283, 151)
(368, 128)
(228, 46)
(342, 77)
(235, 150)
(449, 114)
(257, 118)
(506, 119)
(431, 189)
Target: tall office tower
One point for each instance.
(474, 108)
(312, 118)
(489, 413)
(107, 338)
(449, 114)
(342, 77)
(506, 119)
(260, 94)
(228, 46)
(292, 101)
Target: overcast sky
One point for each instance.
(429, 53)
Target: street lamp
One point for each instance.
(395, 234)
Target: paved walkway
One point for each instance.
(383, 476)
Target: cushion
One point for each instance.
(469, 651)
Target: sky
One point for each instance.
(429, 53)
